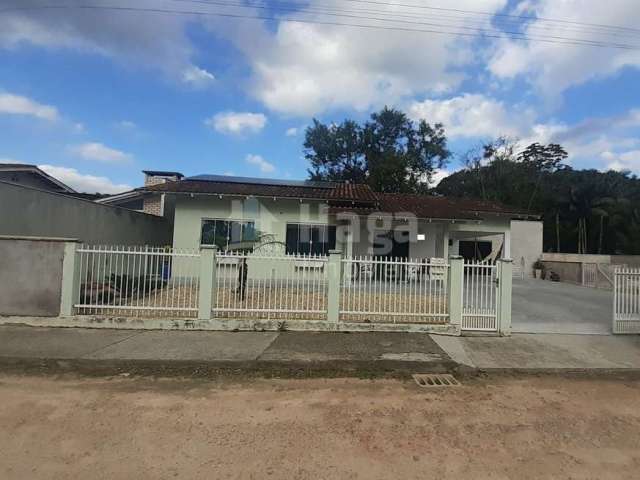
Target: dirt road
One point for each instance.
(124, 428)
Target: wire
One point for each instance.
(389, 16)
(513, 36)
(504, 15)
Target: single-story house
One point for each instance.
(309, 217)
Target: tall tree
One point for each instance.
(389, 152)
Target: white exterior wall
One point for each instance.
(270, 216)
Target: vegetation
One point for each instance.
(389, 152)
(584, 211)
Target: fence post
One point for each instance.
(505, 267)
(455, 281)
(70, 293)
(334, 282)
(207, 281)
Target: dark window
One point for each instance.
(310, 239)
(226, 233)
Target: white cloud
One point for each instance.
(552, 68)
(82, 182)
(291, 132)
(197, 77)
(237, 123)
(261, 163)
(305, 69)
(622, 161)
(438, 176)
(100, 153)
(600, 142)
(19, 105)
(134, 38)
(126, 125)
(473, 116)
(9, 160)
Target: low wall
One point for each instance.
(31, 276)
(26, 211)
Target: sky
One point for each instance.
(93, 95)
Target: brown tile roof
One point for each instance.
(347, 192)
(359, 199)
(427, 206)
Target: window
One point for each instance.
(310, 239)
(225, 233)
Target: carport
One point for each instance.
(541, 306)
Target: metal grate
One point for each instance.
(435, 380)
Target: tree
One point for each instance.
(389, 152)
(581, 209)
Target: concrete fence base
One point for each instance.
(243, 325)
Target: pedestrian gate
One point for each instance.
(480, 297)
(626, 301)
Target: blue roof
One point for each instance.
(262, 181)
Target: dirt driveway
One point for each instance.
(78, 428)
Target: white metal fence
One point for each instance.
(626, 301)
(590, 275)
(165, 282)
(271, 287)
(480, 297)
(136, 281)
(393, 290)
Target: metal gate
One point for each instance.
(480, 297)
(626, 301)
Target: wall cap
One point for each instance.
(38, 239)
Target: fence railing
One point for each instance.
(393, 290)
(166, 282)
(480, 297)
(271, 287)
(626, 301)
(136, 281)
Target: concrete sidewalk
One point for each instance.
(286, 353)
(152, 351)
(533, 352)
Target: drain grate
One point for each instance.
(435, 380)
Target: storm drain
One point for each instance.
(435, 380)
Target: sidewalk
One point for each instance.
(186, 352)
(544, 352)
(107, 351)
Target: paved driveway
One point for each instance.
(551, 307)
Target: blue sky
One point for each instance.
(95, 96)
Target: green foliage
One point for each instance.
(389, 152)
(537, 181)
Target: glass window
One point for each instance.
(224, 233)
(310, 239)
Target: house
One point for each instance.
(308, 217)
(137, 199)
(32, 176)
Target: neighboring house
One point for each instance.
(137, 199)
(307, 217)
(32, 176)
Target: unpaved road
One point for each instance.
(126, 428)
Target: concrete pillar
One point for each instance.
(70, 292)
(506, 251)
(455, 281)
(445, 242)
(207, 281)
(505, 268)
(334, 277)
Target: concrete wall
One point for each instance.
(30, 276)
(526, 244)
(27, 211)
